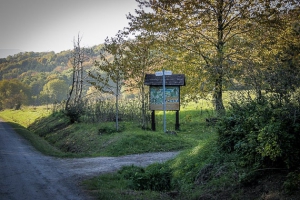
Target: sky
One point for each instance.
(52, 25)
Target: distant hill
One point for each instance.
(18, 64)
(35, 69)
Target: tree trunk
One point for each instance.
(143, 108)
(72, 88)
(117, 105)
(217, 96)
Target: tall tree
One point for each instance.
(111, 73)
(207, 36)
(73, 105)
(141, 57)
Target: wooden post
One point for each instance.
(177, 121)
(153, 120)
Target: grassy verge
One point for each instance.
(101, 139)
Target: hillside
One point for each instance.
(34, 70)
(36, 62)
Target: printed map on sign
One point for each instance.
(172, 97)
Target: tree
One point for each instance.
(13, 94)
(273, 54)
(73, 105)
(111, 72)
(141, 57)
(205, 36)
(55, 90)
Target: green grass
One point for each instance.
(84, 139)
(26, 115)
(114, 186)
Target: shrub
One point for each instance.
(263, 133)
(155, 177)
(292, 182)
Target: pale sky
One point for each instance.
(51, 25)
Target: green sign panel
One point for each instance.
(172, 97)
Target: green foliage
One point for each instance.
(74, 112)
(156, 177)
(35, 68)
(13, 94)
(262, 133)
(55, 91)
(292, 182)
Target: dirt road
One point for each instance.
(27, 174)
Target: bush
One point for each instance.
(155, 177)
(74, 114)
(293, 182)
(263, 133)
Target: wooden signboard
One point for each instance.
(172, 84)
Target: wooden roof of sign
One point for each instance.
(170, 80)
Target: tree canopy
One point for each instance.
(13, 94)
(208, 40)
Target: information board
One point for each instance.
(172, 97)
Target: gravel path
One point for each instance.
(27, 174)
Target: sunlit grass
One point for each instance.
(26, 115)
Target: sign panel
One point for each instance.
(160, 73)
(172, 97)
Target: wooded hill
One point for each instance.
(41, 75)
